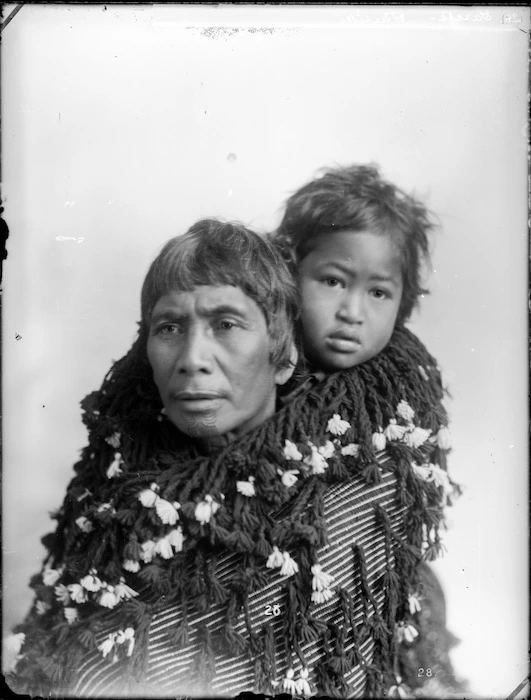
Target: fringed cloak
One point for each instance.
(286, 562)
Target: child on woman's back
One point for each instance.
(357, 245)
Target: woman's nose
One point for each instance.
(194, 353)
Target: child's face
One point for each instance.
(351, 286)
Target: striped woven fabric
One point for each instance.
(349, 512)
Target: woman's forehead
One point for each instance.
(207, 301)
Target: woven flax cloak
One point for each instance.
(286, 562)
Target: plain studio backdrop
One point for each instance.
(121, 126)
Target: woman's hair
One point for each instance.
(212, 252)
(357, 199)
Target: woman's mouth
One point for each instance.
(196, 400)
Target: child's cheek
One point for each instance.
(316, 293)
(309, 296)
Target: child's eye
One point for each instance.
(380, 293)
(331, 281)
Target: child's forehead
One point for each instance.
(364, 247)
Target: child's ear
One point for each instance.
(284, 373)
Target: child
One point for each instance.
(357, 244)
(363, 280)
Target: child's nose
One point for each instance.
(351, 309)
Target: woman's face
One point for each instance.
(209, 349)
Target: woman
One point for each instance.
(211, 545)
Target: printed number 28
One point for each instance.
(427, 672)
(273, 609)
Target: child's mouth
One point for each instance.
(343, 342)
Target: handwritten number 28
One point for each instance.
(427, 672)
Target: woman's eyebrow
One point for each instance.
(176, 314)
(168, 315)
(220, 309)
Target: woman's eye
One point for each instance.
(226, 325)
(168, 329)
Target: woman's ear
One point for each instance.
(284, 373)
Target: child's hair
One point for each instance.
(356, 198)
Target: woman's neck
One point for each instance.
(213, 443)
